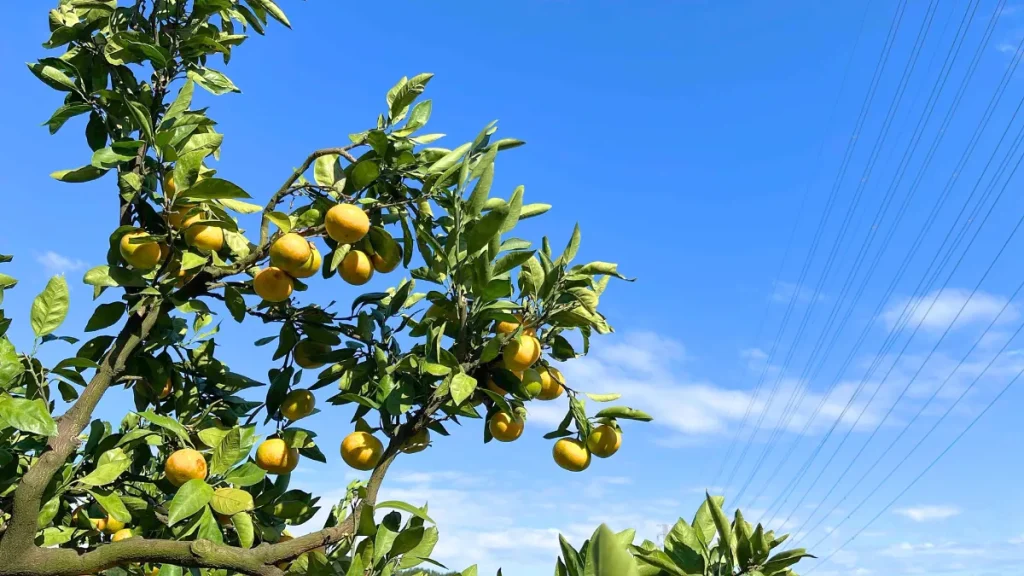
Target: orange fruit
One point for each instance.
(505, 428)
(493, 386)
(307, 349)
(167, 389)
(571, 455)
(361, 450)
(346, 223)
(272, 284)
(418, 442)
(184, 465)
(520, 354)
(142, 256)
(356, 268)
(290, 252)
(201, 236)
(551, 384)
(110, 525)
(604, 441)
(298, 404)
(121, 535)
(276, 457)
(386, 258)
(311, 266)
(169, 188)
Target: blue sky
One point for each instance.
(683, 137)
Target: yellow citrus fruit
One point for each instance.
(604, 441)
(167, 389)
(184, 465)
(522, 353)
(121, 535)
(272, 284)
(551, 384)
(201, 236)
(356, 268)
(176, 216)
(298, 404)
(99, 524)
(418, 442)
(110, 525)
(169, 188)
(571, 455)
(305, 350)
(276, 457)
(153, 571)
(290, 252)
(386, 258)
(346, 223)
(532, 382)
(361, 450)
(505, 428)
(508, 327)
(311, 266)
(142, 256)
(493, 386)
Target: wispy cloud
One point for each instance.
(55, 263)
(928, 513)
(786, 291)
(938, 310)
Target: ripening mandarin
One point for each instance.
(203, 237)
(521, 353)
(290, 252)
(111, 525)
(418, 442)
(144, 256)
(552, 384)
(356, 268)
(176, 217)
(346, 223)
(386, 258)
(276, 457)
(604, 441)
(361, 450)
(532, 382)
(169, 188)
(494, 387)
(311, 266)
(121, 535)
(571, 455)
(297, 404)
(272, 284)
(167, 389)
(184, 465)
(505, 428)
(306, 350)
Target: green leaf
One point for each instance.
(169, 424)
(511, 261)
(478, 197)
(65, 113)
(326, 170)
(191, 497)
(231, 501)
(281, 220)
(215, 188)
(571, 248)
(721, 521)
(30, 416)
(181, 102)
(105, 316)
(783, 560)
(417, 512)
(422, 551)
(247, 474)
(606, 556)
(235, 303)
(243, 527)
(484, 229)
(363, 174)
(531, 210)
(78, 175)
(685, 548)
(602, 269)
(462, 387)
(233, 448)
(142, 117)
(271, 8)
(10, 365)
(604, 397)
(212, 81)
(241, 207)
(109, 467)
(623, 412)
(449, 159)
(52, 76)
(112, 504)
(515, 207)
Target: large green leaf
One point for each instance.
(212, 81)
(415, 511)
(50, 307)
(191, 497)
(109, 467)
(231, 450)
(482, 230)
(607, 556)
(231, 501)
(247, 474)
(722, 525)
(78, 175)
(685, 548)
(243, 527)
(112, 504)
(169, 424)
(462, 387)
(27, 415)
(10, 364)
(215, 188)
(52, 76)
(624, 412)
(422, 550)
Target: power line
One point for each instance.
(799, 393)
(851, 145)
(908, 69)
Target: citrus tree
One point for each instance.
(197, 476)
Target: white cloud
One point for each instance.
(937, 310)
(906, 550)
(928, 513)
(56, 264)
